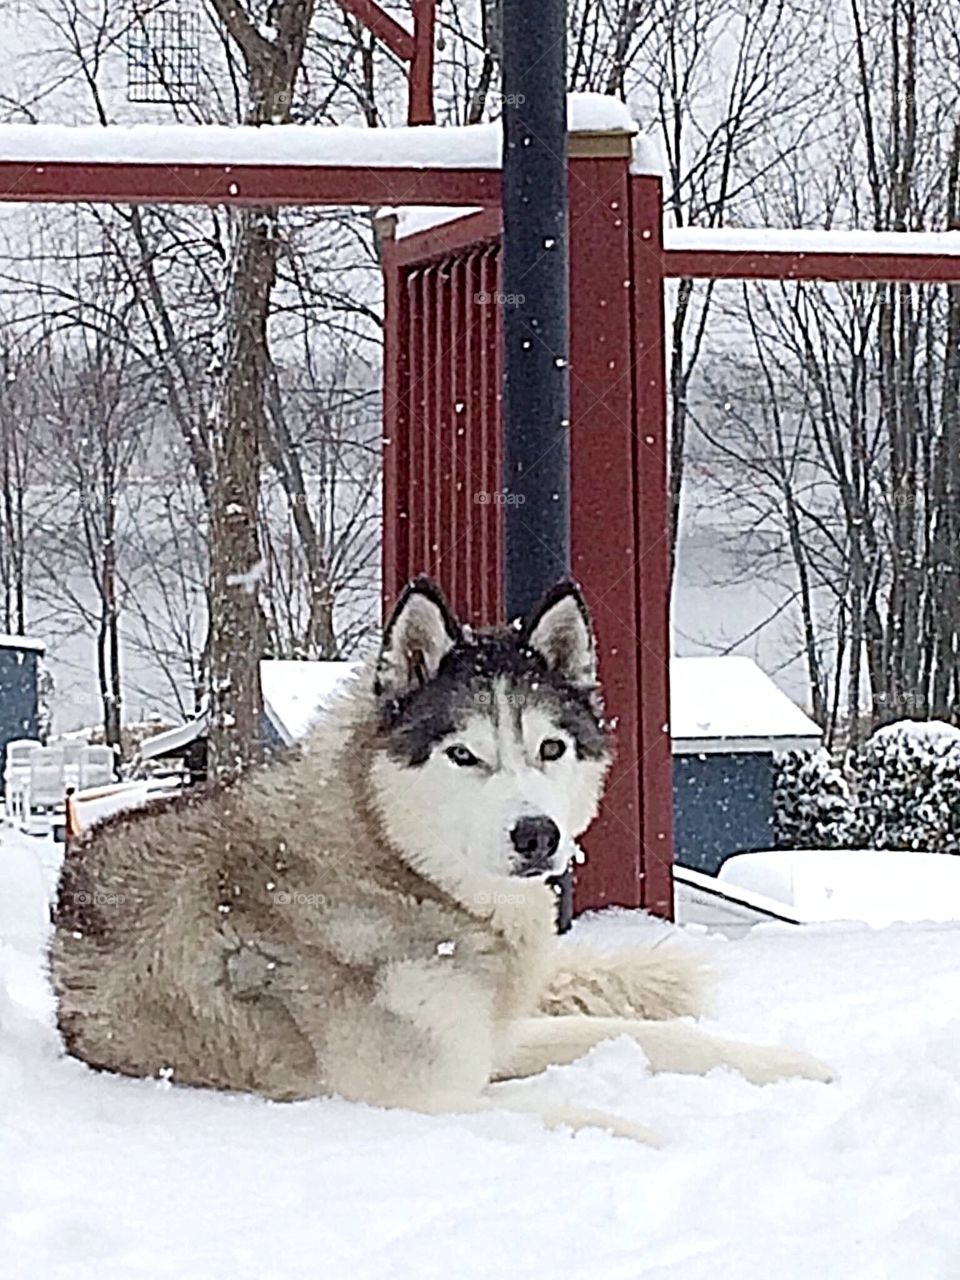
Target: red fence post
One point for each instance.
(603, 501)
(652, 540)
(396, 525)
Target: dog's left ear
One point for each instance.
(559, 630)
(420, 633)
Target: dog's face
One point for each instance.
(492, 748)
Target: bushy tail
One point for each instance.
(655, 981)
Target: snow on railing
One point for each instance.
(780, 253)
(340, 146)
(787, 240)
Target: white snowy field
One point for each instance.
(118, 1179)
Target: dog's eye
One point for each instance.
(462, 755)
(552, 749)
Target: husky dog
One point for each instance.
(370, 917)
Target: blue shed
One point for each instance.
(19, 690)
(727, 721)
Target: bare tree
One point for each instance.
(16, 458)
(95, 416)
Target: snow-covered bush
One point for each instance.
(907, 786)
(945, 797)
(811, 801)
(901, 790)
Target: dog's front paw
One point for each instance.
(765, 1064)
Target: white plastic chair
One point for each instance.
(16, 777)
(96, 767)
(73, 753)
(46, 788)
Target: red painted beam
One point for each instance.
(386, 29)
(732, 264)
(420, 99)
(417, 49)
(238, 184)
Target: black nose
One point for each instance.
(535, 840)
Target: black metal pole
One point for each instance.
(535, 284)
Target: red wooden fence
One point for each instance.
(442, 456)
(444, 491)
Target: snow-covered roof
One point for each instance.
(414, 218)
(717, 705)
(22, 642)
(350, 146)
(729, 704)
(294, 693)
(173, 740)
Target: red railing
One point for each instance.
(441, 424)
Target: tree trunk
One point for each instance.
(237, 624)
(108, 654)
(237, 629)
(945, 541)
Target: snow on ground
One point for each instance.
(876, 886)
(121, 1180)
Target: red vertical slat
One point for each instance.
(483, 430)
(452, 575)
(467, 425)
(396, 428)
(468, 428)
(492, 480)
(444, 564)
(652, 538)
(416, 291)
(494, 561)
(438, 420)
(427, 408)
(457, 514)
(484, 437)
(480, 414)
(479, 432)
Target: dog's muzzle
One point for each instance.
(535, 841)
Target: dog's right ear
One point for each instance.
(420, 633)
(559, 630)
